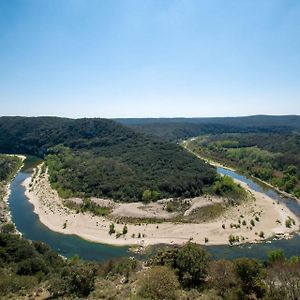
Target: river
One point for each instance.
(27, 222)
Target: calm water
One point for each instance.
(27, 222)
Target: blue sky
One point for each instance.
(149, 58)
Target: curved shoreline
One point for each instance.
(48, 206)
(7, 190)
(218, 164)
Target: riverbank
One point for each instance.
(5, 211)
(269, 219)
(217, 164)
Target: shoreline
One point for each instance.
(49, 207)
(7, 190)
(218, 164)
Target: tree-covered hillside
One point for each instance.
(99, 157)
(183, 128)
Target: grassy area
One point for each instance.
(206, 214)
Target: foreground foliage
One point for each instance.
(32, 268)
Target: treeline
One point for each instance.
(32, 269)
(175, 129)
(98, 157)
(145, 173)
(271, 157)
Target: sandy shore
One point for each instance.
(218, 165)
(54, 215)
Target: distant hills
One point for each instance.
(102, 158)
(181, 128)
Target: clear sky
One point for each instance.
(143, 58)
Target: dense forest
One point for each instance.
(271, 157)
(99, 157)
(31, 270)
(175, 129)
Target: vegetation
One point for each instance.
(101, 158)
(159, 282)
(224, 186)
(32, 268)
(272, 157)
(206, 213)
(175, 129)
(9, 165)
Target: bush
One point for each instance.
(8, 228)
(191, 264)
(12, 283)
(31, 266)
(222, 275)
(160, 282)
(275, 256)
(125, 229)
(112, 228)
(77, 279)
(251, 275)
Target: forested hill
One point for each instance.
(182, 128)
(99, 157)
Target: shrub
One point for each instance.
(11, 283)
(112, 228)
(289, 222)
(8, 228)
(222, 275)
(77, 279)
(31, 266)
(160, 282)
(251, 275)
(276, 256)
(191, 264)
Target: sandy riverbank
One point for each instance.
(54, 215)
(218, 165)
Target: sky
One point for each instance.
(149, 58)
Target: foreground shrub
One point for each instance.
(192, 264)
(12, 283)
(283, 280)
(251, 275)
(78, 280)
(160, 282)
(222, 275)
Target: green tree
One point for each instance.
(158, 283)
(191, 264)
(147, 196)
(251, 275)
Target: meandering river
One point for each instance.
(27, 222)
